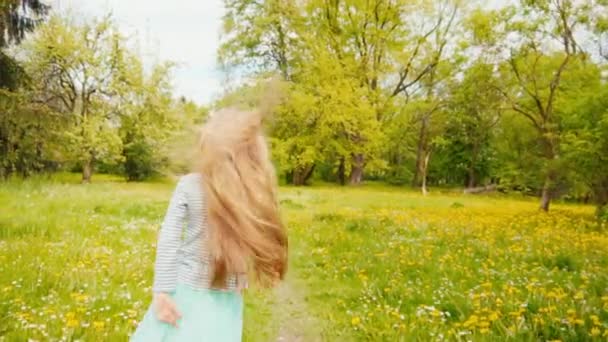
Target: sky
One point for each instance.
(183, 31)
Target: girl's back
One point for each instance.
(222, 223)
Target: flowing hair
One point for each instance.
(239, 183)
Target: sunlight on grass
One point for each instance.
(76, 261)
(396, 266)
(378, 264)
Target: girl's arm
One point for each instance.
(169, 241)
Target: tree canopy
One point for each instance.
(443, 93)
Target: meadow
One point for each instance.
(370, 263)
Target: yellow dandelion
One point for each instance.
(484, 324)
(99, 325)
(356, 320)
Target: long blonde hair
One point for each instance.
(239, 183)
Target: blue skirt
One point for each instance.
(207, 315)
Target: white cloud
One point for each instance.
(183, 31)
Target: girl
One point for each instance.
(233, 226)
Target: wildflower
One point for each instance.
(99, 325)
(471, 321)
(71, 323)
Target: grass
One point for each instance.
(372, 263)
(77, 261)
(390, 265)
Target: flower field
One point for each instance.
(373, 263)
(394, 266)
(76, 262)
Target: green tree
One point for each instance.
(474, 112)
(17, 17)
(23, 138)
(147, 119)
(384, 46)
(28, 134)
(326, 118)
(75, 66)
(533, 72)
(261, 36)
(585, 145)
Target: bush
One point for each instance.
(140, 163)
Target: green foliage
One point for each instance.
(103, 108)
(586, 146)
(439, 93)
(76, 68)
(139, 161)
(17, 17)
(426, 93)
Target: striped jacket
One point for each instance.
(181, 254)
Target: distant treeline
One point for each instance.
(415, 92)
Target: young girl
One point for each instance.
(233, 226)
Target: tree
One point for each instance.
(76, 69)
(147, 119)
(23, 140)
(337, 117)
(534, 72)
(585, 145)
(17, 17)
(383, 45)
(260, 35)
(474, 112)
(28, 134)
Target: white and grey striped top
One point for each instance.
(181, 255)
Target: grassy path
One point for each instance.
(296, 322)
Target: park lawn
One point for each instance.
(370, 263)
(76, 261)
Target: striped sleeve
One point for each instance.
(169, 242)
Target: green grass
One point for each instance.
(76, 260)
(370, 263)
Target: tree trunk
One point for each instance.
(309, 173)
(551, 176)
(342, 172)
(356, 171)
(601, 196)
(472, 179)
(87, 171)
(301, 175)
(297, 178)
(416, 181)
(547, 193)
(424, 171)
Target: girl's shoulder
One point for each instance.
(190, 183)
(193, 177)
